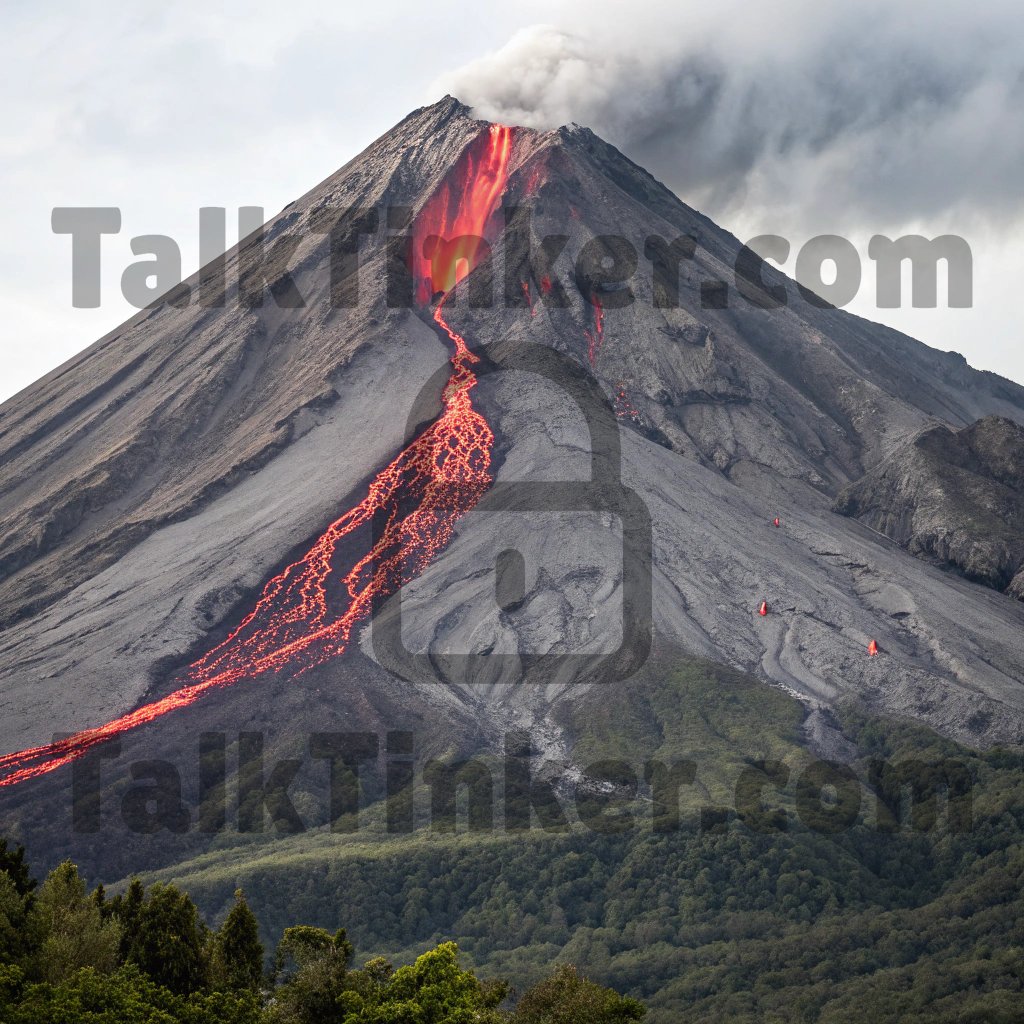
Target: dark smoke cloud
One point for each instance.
(876, 115)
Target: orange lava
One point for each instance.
(525, 286)
(624, 407)
(448, 239)
(306, 614)
(595, 338)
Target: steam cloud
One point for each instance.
(885, 114)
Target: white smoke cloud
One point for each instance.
(831, 116)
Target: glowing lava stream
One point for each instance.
(297, 622)
(595, 338)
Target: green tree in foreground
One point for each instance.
(569, 998)
(12, 863)
(168, 941)
(433, 990)
(68, 930)
(313, 967)
(126, 997)
(321, 989)
(238, 952)
(126, 907)
(13, 939)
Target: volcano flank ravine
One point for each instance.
(153, 485)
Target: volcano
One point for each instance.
(201, 511)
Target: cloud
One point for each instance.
(826, 114)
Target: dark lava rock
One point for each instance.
(953, 495)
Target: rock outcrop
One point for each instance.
(955, 496)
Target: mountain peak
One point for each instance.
(446, 107)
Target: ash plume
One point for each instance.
(883, 113)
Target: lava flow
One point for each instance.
(449, 235)
(595, 338)
(307, 613)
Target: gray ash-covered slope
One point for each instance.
(956, 496)
(155, 482)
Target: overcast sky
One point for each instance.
(795, 118)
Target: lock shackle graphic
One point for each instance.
(603, 492)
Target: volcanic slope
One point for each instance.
(155, 483)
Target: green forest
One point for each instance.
(909, 909)
(148, 957)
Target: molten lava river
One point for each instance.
(307, 614)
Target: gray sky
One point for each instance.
(795, 118)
